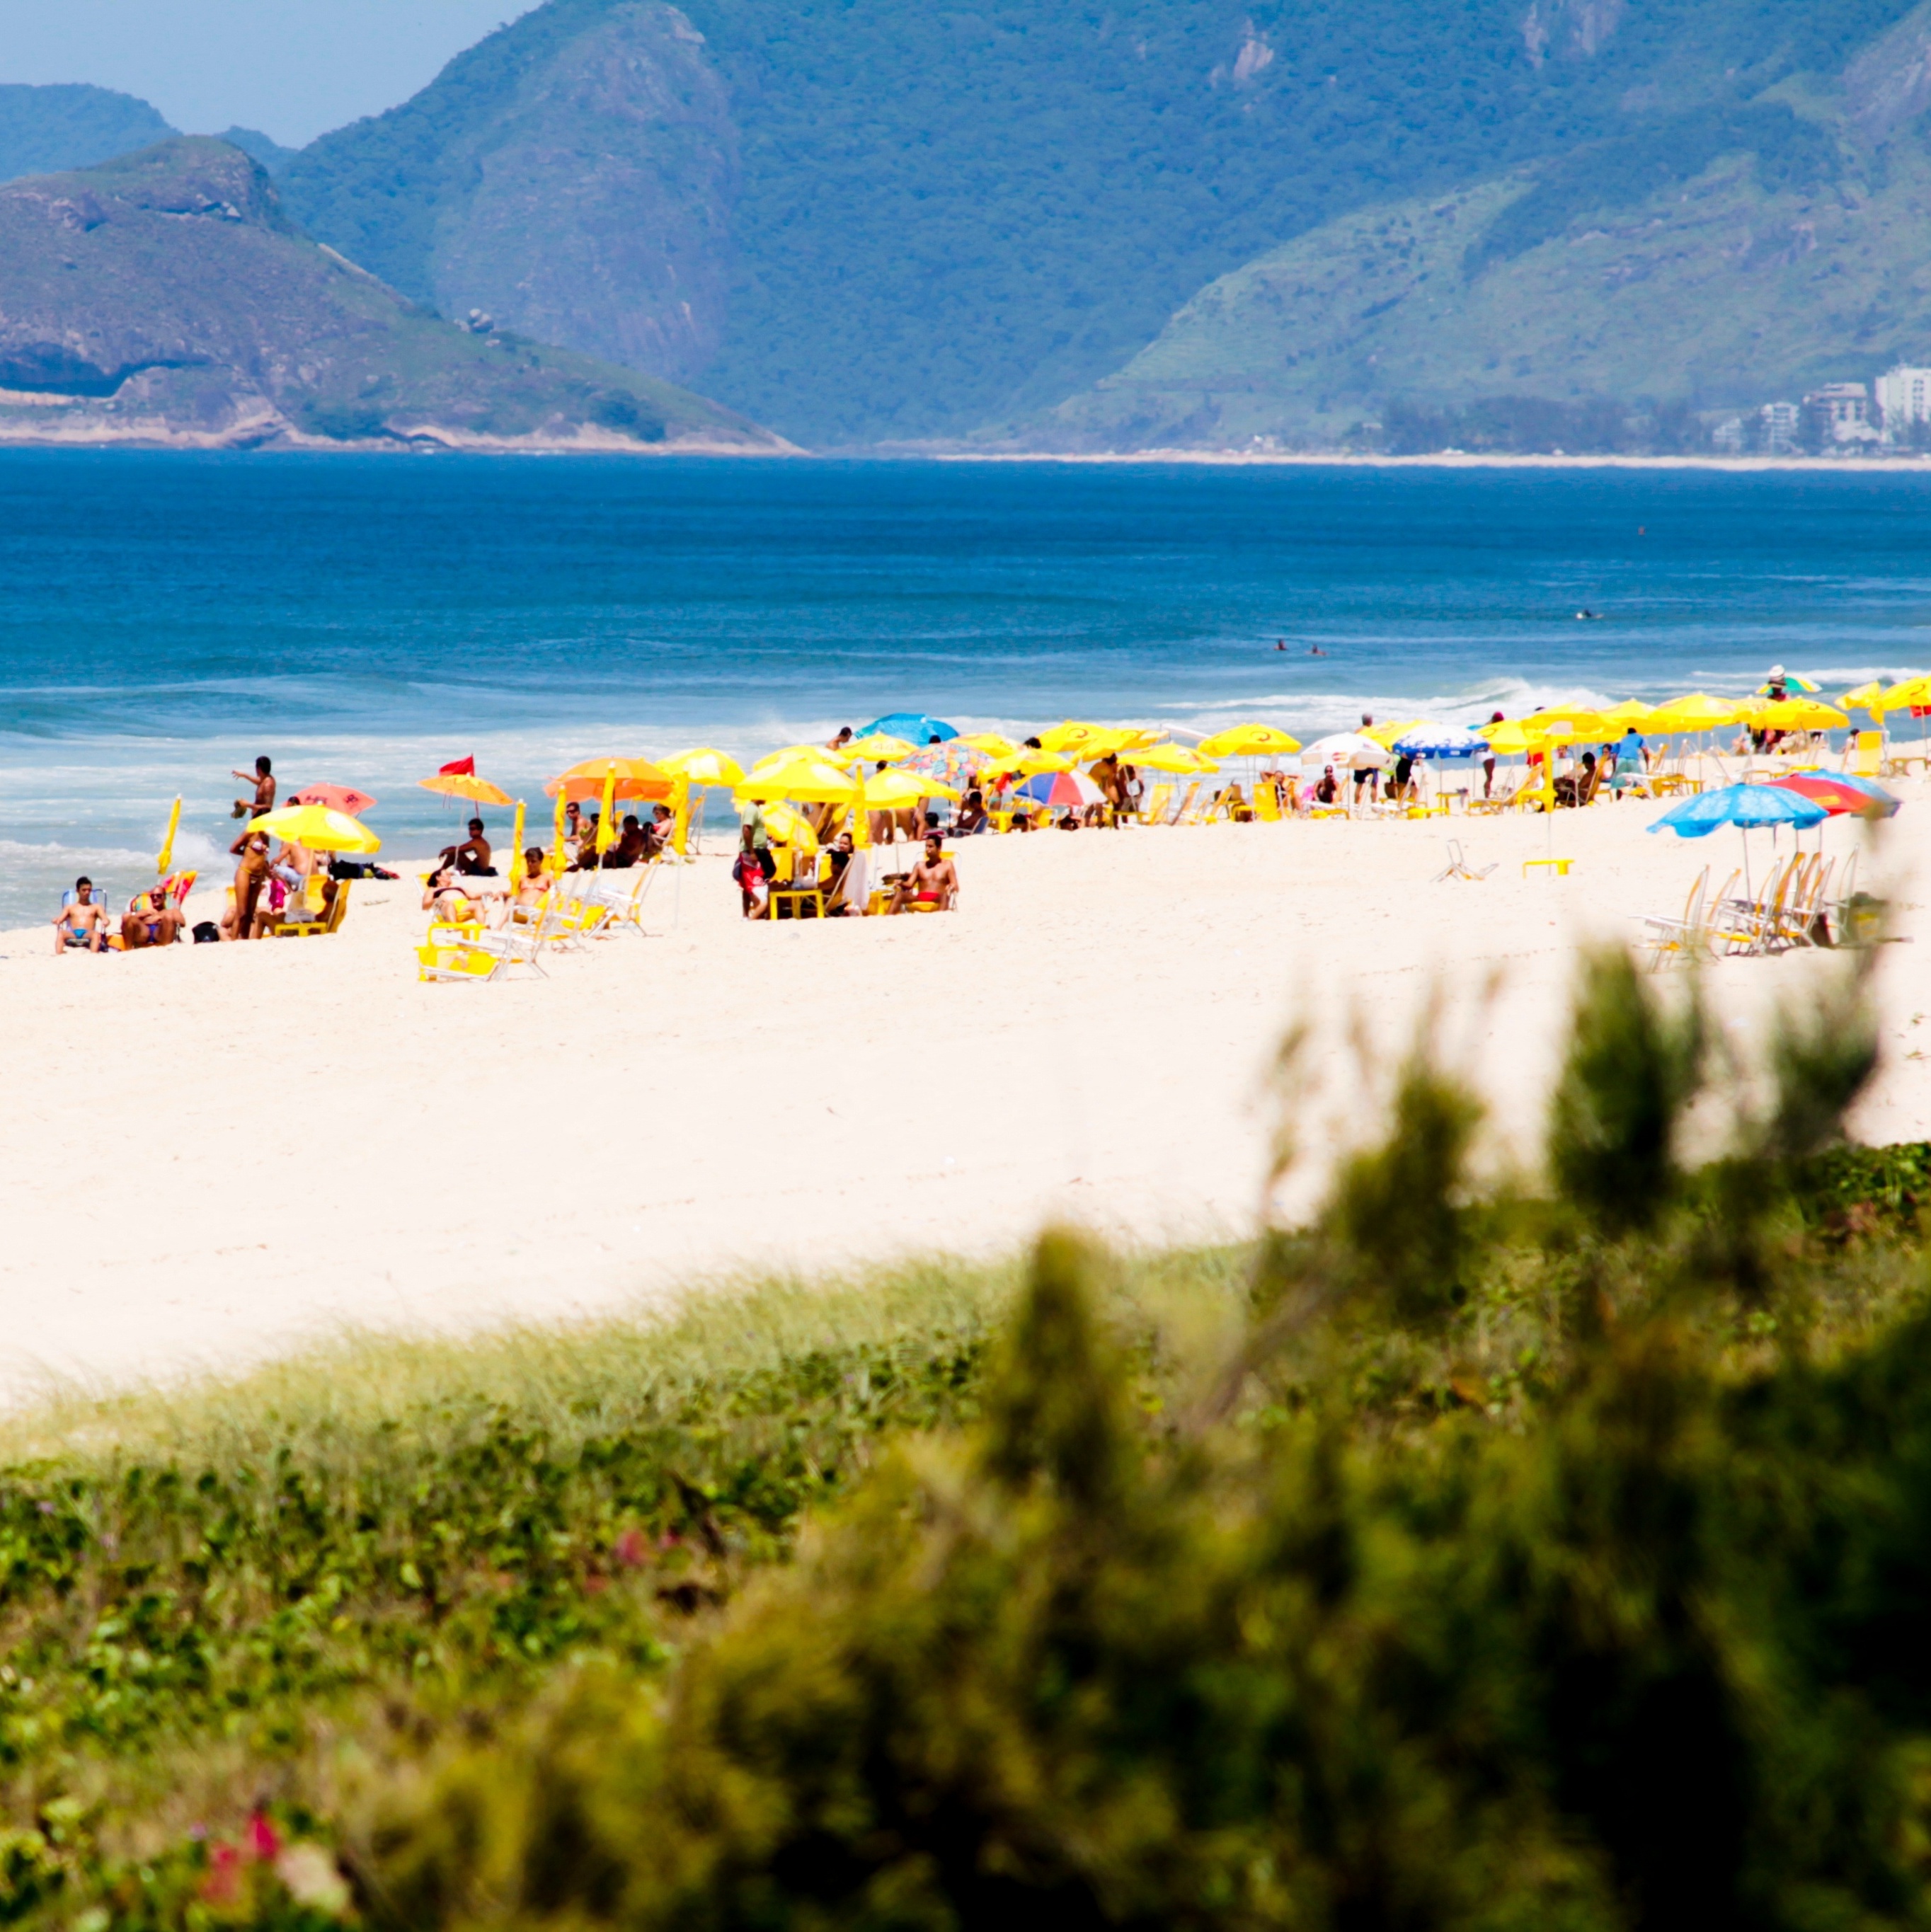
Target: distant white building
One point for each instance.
(1780, 421)
(1842, 411)
(1728, 435)
(1903, 398)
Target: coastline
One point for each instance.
(1444, 459)
(328, 1145)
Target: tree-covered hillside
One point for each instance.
(44, 130)
(874, 222)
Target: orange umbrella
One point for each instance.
(465, 785)
(631, 777)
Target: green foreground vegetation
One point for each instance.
(1542, 1556)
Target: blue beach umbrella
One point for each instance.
(914, 725)
(1442, 741)
(1745, 806)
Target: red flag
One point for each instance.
(463, 768)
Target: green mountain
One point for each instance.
(867, 223)
(44, 129)
(1699, 262)
(165, 298)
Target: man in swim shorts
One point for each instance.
(931, 885)
(80, 924)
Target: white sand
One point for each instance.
(214, 1152)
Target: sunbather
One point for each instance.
(971, 813)
(931, 885)
(472, 855)
(252, 850)
(78, 923)
(657, 833)
(153, 920)
(629, 850)
(535, 877)
(447, 897)
(845, 884)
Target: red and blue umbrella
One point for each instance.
(1839, 792)
(1071, 790)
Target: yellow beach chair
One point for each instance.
(1153, 812)
(1864, 758)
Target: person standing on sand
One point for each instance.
(264, 785)
(1364, 775)
(251, 849)
(1488, 765)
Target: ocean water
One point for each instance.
(165, 617)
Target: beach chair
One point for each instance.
(1863, 756)
(449, 955)
(1267, 803)
(317, 900)
(1670, 941)
(1153, 812)
(624, 902)
(1182, 813)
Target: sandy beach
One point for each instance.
(216, 1152)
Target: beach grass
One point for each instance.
(236, 1612)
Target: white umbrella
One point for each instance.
(1345, 747)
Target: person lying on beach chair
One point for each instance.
(931, 885)
(657, 833)
(448, 899)
(78, 923)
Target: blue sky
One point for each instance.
(293, 68)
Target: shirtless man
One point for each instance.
(264, 798)
(472, 855)
(251, 851)
(80, 923)
(931, 885)
(151, 921)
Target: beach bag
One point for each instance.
(207, 933)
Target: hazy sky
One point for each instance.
(293, 68)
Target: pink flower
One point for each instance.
(223, 1879)
(628, 1548)
(264, 1841)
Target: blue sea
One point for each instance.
(165, 617)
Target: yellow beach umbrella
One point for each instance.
(1385, 735)
(994, 746)
(894, 791)
(1032, 762)
(1912, 693)
(1631, 711)
(702, 766)
(606, 824)
(1798, 714)
(1511, 737)
(789, 827)
(1866, 697)
(810, 781)
(167, 858)
(1697, 711)
(1180, 758)
(1084, 741)
(876, 745)
(465, 785)
(563, 848)
(320, 827)
(785, 753)
(518, 871)
(680, 813)
(1253, 741)
(1569, 726)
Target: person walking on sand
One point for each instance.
(78, 923)
(264, 784)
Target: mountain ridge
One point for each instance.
(166, 297)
